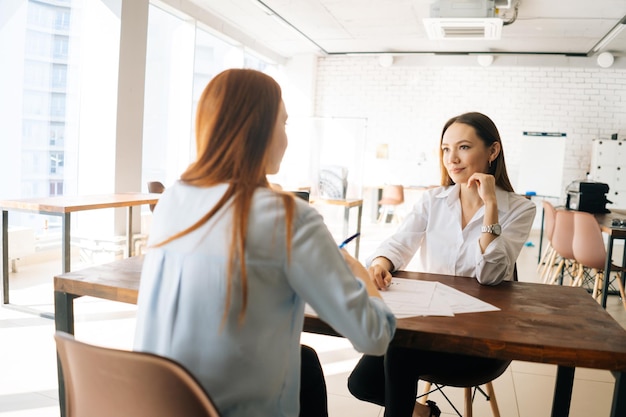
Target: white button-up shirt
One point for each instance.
(432, 233)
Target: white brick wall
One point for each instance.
(406, 107)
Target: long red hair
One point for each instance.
(235, 120)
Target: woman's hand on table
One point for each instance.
(379, 272)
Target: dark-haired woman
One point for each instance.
(474, 225)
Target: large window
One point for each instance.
(182, 58)
(59, 101)
(58, 95)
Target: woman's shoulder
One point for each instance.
(520, 199)
(271, 200)
(519, 202)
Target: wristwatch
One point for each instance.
(494, 229)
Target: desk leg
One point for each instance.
(622, 275)
(618, 407)
(129, 232)
(563, 391)
(607, 271)
(5, 257)
(543, 214)
(65, 245)
(346, 221)
(63, 321)
(358, 229)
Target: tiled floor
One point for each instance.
(28, 375)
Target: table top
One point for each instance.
(349, 202)
(604, 220)
(68, 204)
(537, 323)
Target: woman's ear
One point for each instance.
(494, 151)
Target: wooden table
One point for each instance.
(537, 323)
(64, 206)
(613, 232)
(347, 205)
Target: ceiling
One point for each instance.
(329, 27)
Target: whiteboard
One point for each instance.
(541, 167)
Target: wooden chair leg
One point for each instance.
(547, 254)
(492, 399)
(468, 402)
(557, 271)
(578, 281)
(424, 395)
(596, 285)
(545, 272)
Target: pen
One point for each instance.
(348, 240)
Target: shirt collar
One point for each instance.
(451, 194)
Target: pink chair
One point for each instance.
(104, 382)
(562, 240)
(590, 253)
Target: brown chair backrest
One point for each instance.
(392, 194)
(104, 382)
(156, 187)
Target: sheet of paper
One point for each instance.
(410, 298)
(460, 302)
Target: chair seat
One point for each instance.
(467, 381)
(459, 380)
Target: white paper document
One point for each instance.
(409, 297)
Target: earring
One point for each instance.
(490, 163)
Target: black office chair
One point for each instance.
(467, 382)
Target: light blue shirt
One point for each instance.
(433, 234)
(252, 369)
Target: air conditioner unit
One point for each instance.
(488, 28)
(463, 20)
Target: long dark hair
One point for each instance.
(487, 131)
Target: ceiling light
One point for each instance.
(606, 39)
(385, 61)
(485, 60)
(456, 28)
(605, 59)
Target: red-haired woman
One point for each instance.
(233, 262)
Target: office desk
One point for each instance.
(554, 325)
(347, 205)
(64, 206)
(604, 220)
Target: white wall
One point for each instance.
(407, 105)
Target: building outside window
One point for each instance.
(58, 106)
